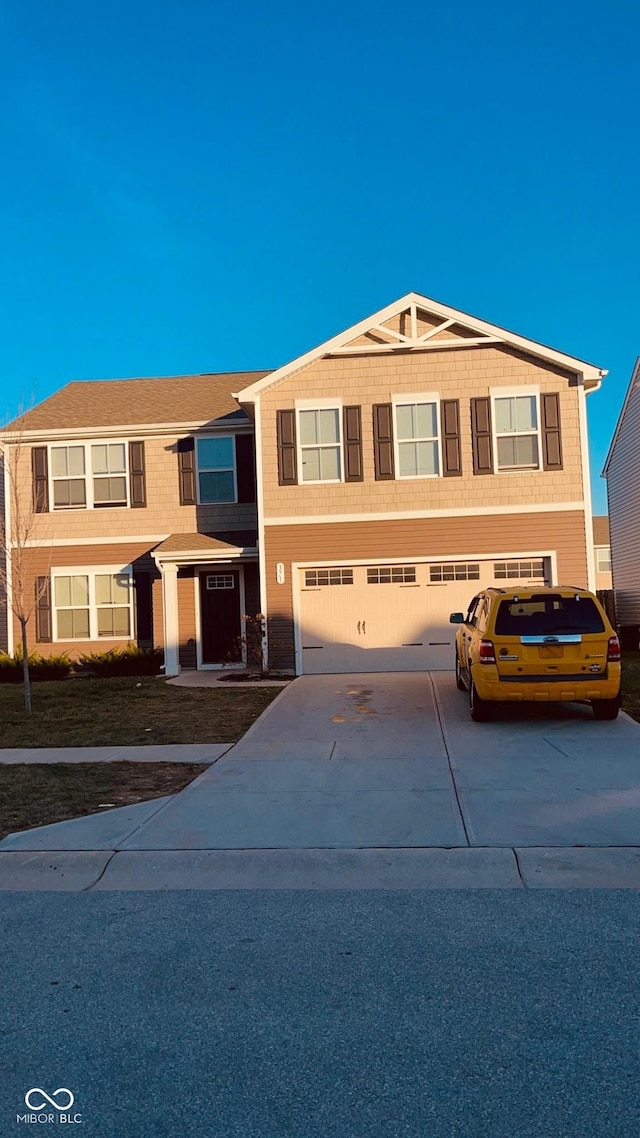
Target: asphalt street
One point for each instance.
(296, 1014)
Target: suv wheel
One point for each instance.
(480, 709)
(460, 684)
(606, 708)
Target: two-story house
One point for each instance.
(354, 497)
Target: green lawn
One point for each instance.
(126, 712)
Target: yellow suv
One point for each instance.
(550, 643)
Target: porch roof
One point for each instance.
(206, 546)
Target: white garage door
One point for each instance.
(386, 618)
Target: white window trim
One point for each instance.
(403, 401)
(91, 572)
(319, 405)
(602, 549)
(88, 474)
(221, 470)
(509, 393)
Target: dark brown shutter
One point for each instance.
(187, 471)
(450, 416)
(287, 465)
(142, 582)
(43, 610)
(481, 436)
(352, 427)
(245, 468)
(40, 468)
(383, 441)
(137, 479)
(551, 439)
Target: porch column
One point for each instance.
(170, 612)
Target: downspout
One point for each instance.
(586, 483)
(262, 555)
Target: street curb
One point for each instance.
(463, 868)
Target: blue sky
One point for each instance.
(194, 186)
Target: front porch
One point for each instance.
(210, 599)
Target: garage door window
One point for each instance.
(315, 577)
(514, 570)
(454, 571)
(391, 575)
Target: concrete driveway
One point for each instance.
(390, 761)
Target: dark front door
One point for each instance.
(220, 627)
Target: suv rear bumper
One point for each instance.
(535, 689)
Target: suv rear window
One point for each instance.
(547, 615)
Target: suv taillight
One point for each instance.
(613, 650)
(487, 653)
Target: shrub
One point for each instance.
(40, 667)
(129, 661)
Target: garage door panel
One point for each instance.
(388, 618)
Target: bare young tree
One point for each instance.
(19, 536)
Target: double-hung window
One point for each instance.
(417, 437)
(603, 555)
(68, 475)
(517, 431)
(93, 605)
(320, 444)
(89, 475)
(216, 469)
(109, 471)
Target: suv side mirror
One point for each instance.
(456, 618)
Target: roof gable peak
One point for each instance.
(417, 323)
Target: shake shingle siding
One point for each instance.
(623, 480)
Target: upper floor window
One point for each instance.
(320, 444)
(109, 470)
(417, 439)
(603, 555)
(216, 470)
(517, 431)
(68, 477)
(89, 474)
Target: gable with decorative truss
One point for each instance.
(415, 329)
(417, 324)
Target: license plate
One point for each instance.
(551, 652)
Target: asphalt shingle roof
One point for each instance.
(208, 543)
(129, 402)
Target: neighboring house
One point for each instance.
(402, 465)
(622, 472)
(602, 551)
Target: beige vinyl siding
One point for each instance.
(40, 562)
(564, 533)
(162, 515)
(623, 479)
(455, 374)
